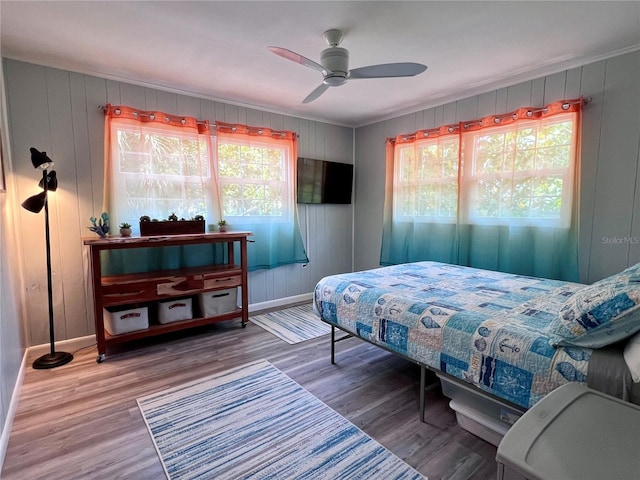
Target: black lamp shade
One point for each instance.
(40, 159)
(52, 181)
(35, 203)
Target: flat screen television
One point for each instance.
(321, 181)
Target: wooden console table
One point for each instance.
(136, 288)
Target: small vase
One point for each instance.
(222, 228)
(125, 232)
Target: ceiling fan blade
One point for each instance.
(385, 70)
(316, 93)
(295, 57)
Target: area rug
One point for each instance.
(254, 422)
(293, 325)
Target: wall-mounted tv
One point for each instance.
(320, 181)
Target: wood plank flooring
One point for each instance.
(81, 420)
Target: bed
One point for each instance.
(511, 339)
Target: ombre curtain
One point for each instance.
(418, 226)
(262, 161)
(541, 248)
(157, 164)
(502, 222)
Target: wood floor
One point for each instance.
(81, 420)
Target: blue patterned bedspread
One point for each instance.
(480, 326)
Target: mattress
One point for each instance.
(483, 327)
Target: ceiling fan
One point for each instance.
(334, 65)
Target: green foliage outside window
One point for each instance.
(429, 179)
(522, 173)
(252, 180)
(518, 173)
(160, 173)
(163, 173)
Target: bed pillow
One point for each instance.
(632, 357)
(600, 314)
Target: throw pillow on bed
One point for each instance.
(600, 314)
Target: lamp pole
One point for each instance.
(48, 249)
(53, 359)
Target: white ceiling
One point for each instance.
(219, 50)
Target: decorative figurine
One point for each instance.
(101, 225)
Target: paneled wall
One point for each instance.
(12, 342)
(57, 111)
(610, 178)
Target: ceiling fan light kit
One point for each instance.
(334, 65)
(336, 61)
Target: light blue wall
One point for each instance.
(58, 112)
(610, 180)
(12, 342)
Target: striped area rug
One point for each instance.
(293, 325)
(254, 422)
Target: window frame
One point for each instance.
(470, 177)
(287, 187)
(399, 186)
(203, 181)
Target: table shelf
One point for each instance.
(148, 288)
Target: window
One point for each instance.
(498, 193)
(519, 174)
(159, 172)
(254, 181)
(426, 180)
(256, 171)
(158, 164)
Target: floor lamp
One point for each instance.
(49, 183)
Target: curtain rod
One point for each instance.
(452, 127)
(213, 125)
(149, 115)
(531, 111)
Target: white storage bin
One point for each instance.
(485, 417)
(218, 301)
(573, 433)
(118, 320)
(175, 310)
(487, 428)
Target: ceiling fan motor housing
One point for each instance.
(336, 61)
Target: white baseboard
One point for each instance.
(74, 344)
(280, 302)
(11, 412)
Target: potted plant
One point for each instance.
(125, 229)
(222, 226)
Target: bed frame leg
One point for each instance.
(423, 377)
(333, 345)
